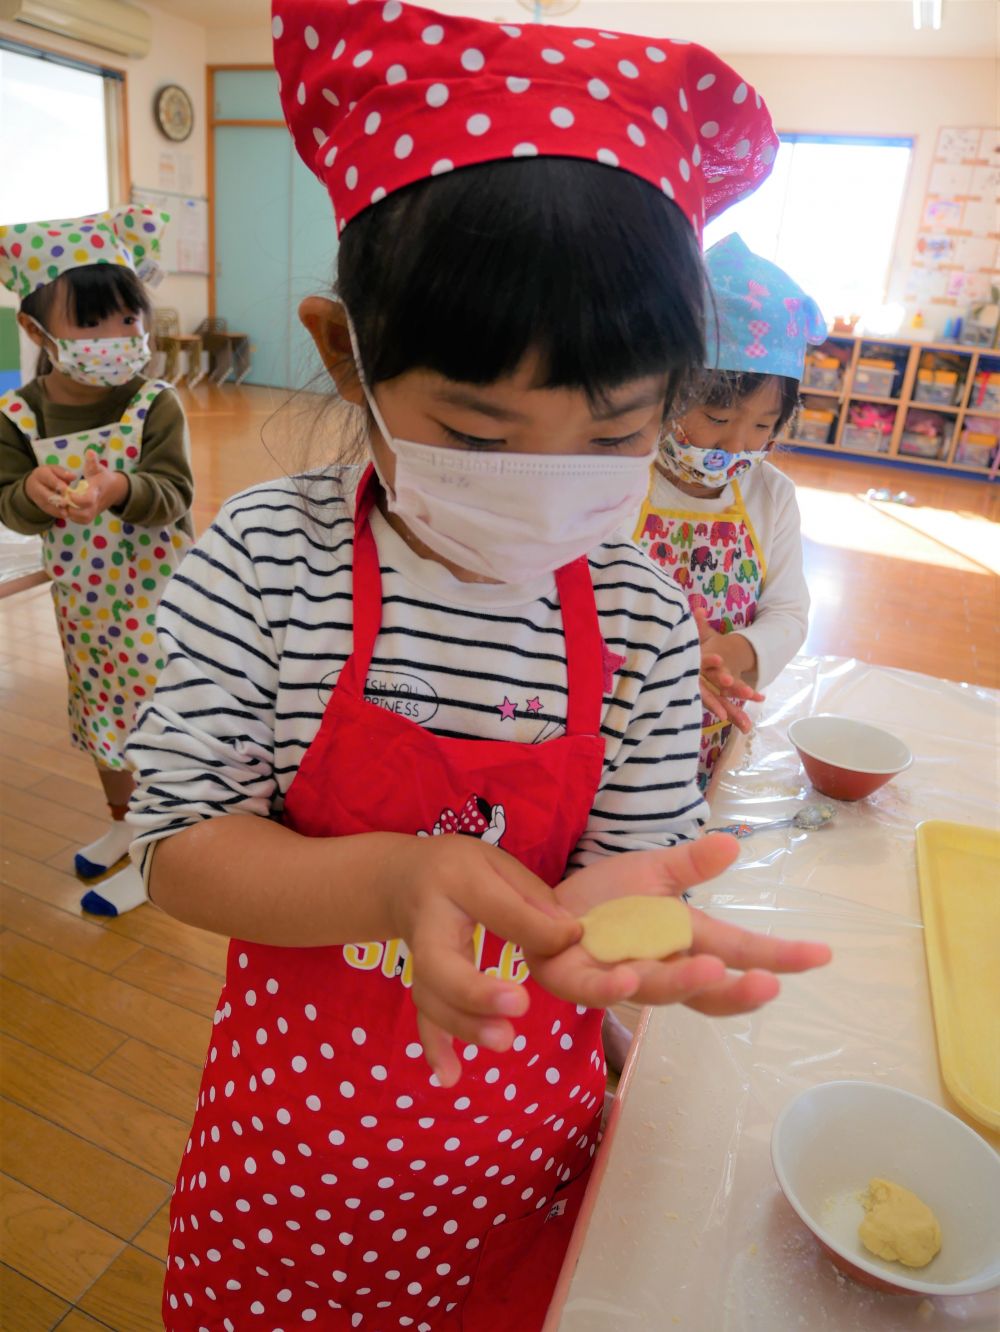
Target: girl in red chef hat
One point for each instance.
(415, 720)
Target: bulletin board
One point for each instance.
(957, 254)
(184, 243)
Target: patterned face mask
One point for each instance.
(99, 362)
(704, 467)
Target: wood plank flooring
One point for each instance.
(103, 1025)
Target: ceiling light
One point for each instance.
(927, 14)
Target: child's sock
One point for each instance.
(113, 897)
(99, 856)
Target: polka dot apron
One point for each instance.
(329, 1180)
(717, 560)
(107, 579)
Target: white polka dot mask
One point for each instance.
(100, 362)
(380, 94)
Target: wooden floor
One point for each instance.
(104, 1024)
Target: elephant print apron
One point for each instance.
(107, 579)
(329, 1180)
(717, 561)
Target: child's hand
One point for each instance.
(46, 488)
(724, 659)
(438, 890)
(104, 490)
(701, 979)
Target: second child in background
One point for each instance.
(720, 519)
(95, 459)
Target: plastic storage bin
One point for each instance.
(813, 426)
(976, 448)
(940, 386)
(864, 439)
(918, 445)
(822, 372)
(875, 377)
(986, 391)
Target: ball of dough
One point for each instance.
(77, 490)
(897, 1225)
(635, 928)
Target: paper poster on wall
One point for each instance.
(969, 288)
(936, 250)
(166, 170)
(985, 181)
(947, 179)
(973, 253)
(989, 144)
(958, 145)
(943, 214)
(185, 241)
(981, 217)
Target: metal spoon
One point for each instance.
(810, 818)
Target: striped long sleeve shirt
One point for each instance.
(257, 624)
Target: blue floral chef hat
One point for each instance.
(759, 319)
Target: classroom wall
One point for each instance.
(866, 95)
(824, 94)
(178, 55)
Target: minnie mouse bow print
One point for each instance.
(380, 94)
(477, 818)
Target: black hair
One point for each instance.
(727, 388)
(92, 293)
(588, 267)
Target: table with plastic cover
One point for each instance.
(684, 1225)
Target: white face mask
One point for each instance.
(511, 517)
(99, 362)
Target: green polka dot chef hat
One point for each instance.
(379, 94)
(35, 253)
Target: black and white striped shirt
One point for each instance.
(256, 626)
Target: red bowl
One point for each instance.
(847, 759)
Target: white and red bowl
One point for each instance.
(847, 759)
(830, 1141)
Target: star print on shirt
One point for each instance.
(534, 704)
(508, 710)
(611, 662)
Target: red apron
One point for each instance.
(330, 1182)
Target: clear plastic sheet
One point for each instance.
(687, 1227)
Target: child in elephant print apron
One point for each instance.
(95, 459)
(719, 518)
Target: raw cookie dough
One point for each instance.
(633, 928)
(77, 491)
(897, 1225)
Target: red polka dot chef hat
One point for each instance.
(32, 254)
(380, 94)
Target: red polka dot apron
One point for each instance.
(329, 1181)
(718, 562)
(107, 579)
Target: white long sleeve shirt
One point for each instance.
(782, 619)
(257, 624)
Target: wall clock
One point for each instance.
(174, 113)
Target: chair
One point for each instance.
(229, 352)
(173, 343)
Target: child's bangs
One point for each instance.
(583, 267)
(97, 291)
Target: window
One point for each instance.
(59, 135)
(827, 214)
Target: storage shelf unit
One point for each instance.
(944, 442)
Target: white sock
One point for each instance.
(98, 857)
(113, 897)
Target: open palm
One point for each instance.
(728, 970)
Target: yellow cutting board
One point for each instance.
(959, 871)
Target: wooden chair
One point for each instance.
(172, 342)
(229, 352)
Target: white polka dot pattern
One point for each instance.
(468, 91)
(308, 1194)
